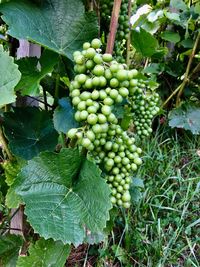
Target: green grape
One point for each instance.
(99, 84)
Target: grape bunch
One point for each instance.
(99, 84)
(119, 157)
(144, 104)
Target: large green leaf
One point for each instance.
(33, 70)
(9, 250)
(63, 117)
(29, 131)
(45, 253)
(186, 117)
(170, 36)
(144, 42)
(66, 199)
(9, 77)
(178, 4)
(60, 25)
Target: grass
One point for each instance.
(163, 227)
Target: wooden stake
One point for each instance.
(113, 26)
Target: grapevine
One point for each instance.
(99, 84)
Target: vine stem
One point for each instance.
(5, 145)
(187, 77)
(45, 99)
(185, 80)
(129, 35)
(56, 95)
(113, 26)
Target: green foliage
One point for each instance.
(186, 117)
(68, 193)
(9, 250)
(171, 36)
(29, 131)
(33, 70)
(135, 190)
(45, 253)
(11, 169)
(12, 199)
(63, 117)
(103, 110)
(144, 42)
(63, 25)
(172, 29)
(162, 226)
(9, 77)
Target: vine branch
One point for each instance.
(113, 26)
(185, 80)
(187, 77)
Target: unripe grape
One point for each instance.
(72, 133)
(90, 53)
(86, 45)
(92, 119)
(96, 43)
(86, 142)
(107, 57)
(106, 110)
(83, 115)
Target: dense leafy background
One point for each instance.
(63, 24)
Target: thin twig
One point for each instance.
(56, 94)
(40, 101)
(113, 26)
(5, 145)
(185, 80)
(45, 99)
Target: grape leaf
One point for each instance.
(170, 36)
(178, 4)
(9, 77)
(68, 193)
(172, 16)
(12, 199)
(137, 182)
(136, 194)
(29, 131)
(9, 249)
(186, 117)
(61, 25)
(144, 42)
(63, 117)
(33, 70)
(45, 253)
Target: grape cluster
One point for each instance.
(101, 83)
(144, 104)
(119, 157)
